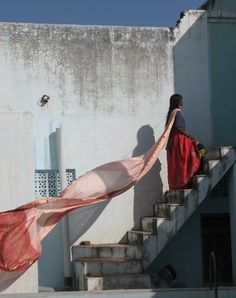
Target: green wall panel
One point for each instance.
(223, 69)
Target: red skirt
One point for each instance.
(182, 160)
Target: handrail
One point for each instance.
(213, 273)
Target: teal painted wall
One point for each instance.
(223, 72)
(224, 5)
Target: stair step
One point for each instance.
(150, 224)
(118, 266)
(121, 281)
(107, 251)
(139, 237)
(95, 267)
(178, 216)
(148, 241)
(218, 153)
(177, 196)
(214, 154)
(161, 210)
(197, 179)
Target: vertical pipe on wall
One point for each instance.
(232, 202)
(65, 220)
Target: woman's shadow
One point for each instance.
(149, 189)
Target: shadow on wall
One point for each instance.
(84, 218)
(53, 151)
(51, 268)
(149, 189)
(192, 78)
(8, 278)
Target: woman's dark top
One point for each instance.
(179, 121)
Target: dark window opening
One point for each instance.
(216, 237)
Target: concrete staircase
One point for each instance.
(122, 266)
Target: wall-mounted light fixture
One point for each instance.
(44, 100)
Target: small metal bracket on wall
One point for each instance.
(44, 100)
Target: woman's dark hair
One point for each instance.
(175, 100)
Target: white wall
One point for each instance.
(109, 89)
(111, 79)
(17, 186)
(87, 71)
(112, 83)
(192, 73)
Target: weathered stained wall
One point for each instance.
(87, 71)
(109, 90)
(16, 186)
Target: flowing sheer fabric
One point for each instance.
(22, 229)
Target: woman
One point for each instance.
(184, 153)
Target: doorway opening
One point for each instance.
(215, 229)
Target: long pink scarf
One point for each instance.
(22, 229)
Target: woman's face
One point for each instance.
(181, 103)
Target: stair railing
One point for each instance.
(213, 274)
